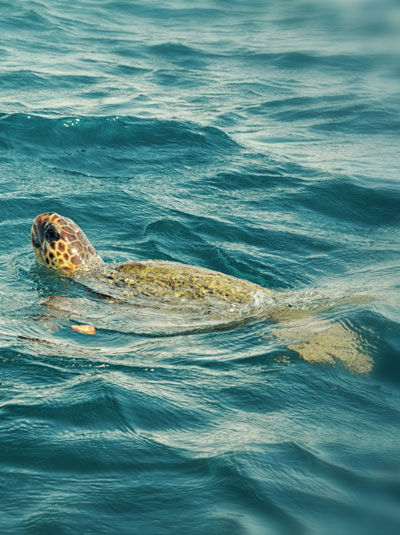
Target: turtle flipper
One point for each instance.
(322, 342)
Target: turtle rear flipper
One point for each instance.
(323, 342)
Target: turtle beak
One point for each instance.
(37, 231)
(36, 243)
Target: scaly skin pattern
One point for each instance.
(61, 245)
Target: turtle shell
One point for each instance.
(173, 279)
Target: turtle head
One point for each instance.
(61, 245)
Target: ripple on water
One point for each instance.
(259, 142)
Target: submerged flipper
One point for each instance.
(320, 341)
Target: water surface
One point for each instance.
(257, 138)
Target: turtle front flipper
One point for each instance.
(322, 342)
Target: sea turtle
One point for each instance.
(60, 245)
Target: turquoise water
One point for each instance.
(256, 138)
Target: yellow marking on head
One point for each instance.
(61, 245)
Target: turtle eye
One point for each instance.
(52, 234)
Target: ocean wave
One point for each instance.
(111, 145)
(296, 60)
(112, 132)
(258, 139)
(347, 113)
(345, 200)
(44, 80)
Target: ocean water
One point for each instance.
(256, 138)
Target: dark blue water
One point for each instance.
(256, 138)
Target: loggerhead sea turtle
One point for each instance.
(61, 245)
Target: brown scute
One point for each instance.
(52, 256)
(53, 245)
(47, 260)
(76, 245)
(66, 234)
(75, 260)
(66, 256)
(61, 246)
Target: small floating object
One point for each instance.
(84, 329)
